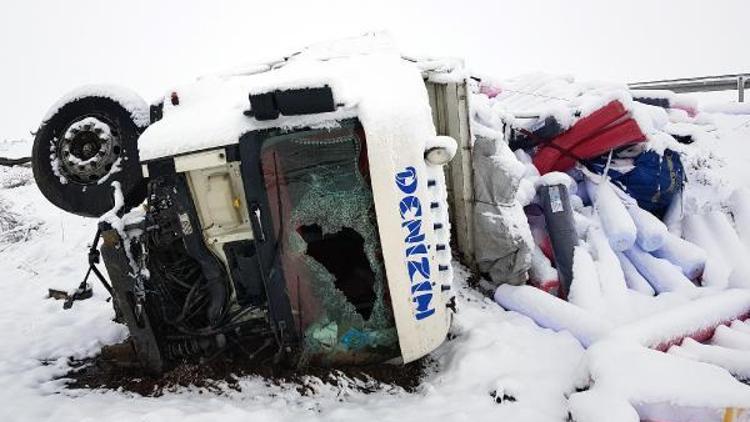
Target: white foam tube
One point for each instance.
(737, 362)
(615, 219)
(740, 326)
(526, 192)
(596, 405)
(610, 272)
(671, 411)
(663, 328)
(730, 338)
(740, 204)
(633, 278)
(651, 232)
(674, 214)
(585, 290)
(551, 312)
(541, 271)
(660, 273)
(731, 247)
(717, 269)
(691, 258)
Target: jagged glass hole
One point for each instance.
(343, 254)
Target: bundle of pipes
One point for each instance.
(624, 248)
(611, 242)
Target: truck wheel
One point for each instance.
(84, 146)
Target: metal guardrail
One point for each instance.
(700, 84)
(9, 162)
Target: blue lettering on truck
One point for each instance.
(416, 250)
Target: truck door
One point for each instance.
(319, 206)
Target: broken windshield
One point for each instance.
(324, 218)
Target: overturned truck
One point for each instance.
(297, 212)
(307, 211)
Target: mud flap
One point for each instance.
(123, 283)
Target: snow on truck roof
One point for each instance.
(367, 76)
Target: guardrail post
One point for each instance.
(741, 89)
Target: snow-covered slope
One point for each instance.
(499, 366)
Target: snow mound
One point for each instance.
(15, 224)
(659, 386)
(16, 176)
(14, 227)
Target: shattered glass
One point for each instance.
(325, 220)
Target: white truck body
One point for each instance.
(410, 194)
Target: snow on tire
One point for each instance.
(84, 145)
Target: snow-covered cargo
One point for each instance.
(637, 284)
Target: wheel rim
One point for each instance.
(89, 150)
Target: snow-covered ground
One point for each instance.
(494, 353)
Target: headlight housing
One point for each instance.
(440, 150)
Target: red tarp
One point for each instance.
(606, 128)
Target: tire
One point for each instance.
(76, 149)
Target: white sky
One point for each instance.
(49, 47)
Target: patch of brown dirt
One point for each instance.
(111, 370)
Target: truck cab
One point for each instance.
(300, 211)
